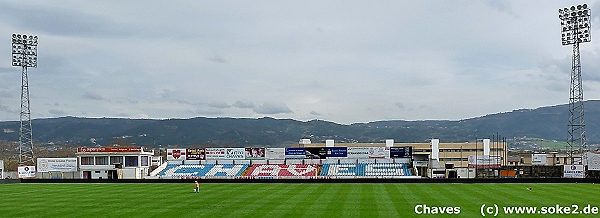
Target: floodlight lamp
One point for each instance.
(560, 11)
(584, 6)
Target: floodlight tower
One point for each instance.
(576, 28)
(24, 54)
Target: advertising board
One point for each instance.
(574, 171)
(176, 153)
(235, 153)
(401, 152)
(275, 153)
(255, 153)
(368, 152)
(194, 154)
(337, 152)
(26, 172)
(593, 160)
(315, 153)
(45, 165)
(295, 153)
(484, 162)
(538, 159)
(110, 149)
(214, 153)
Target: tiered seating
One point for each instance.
(282, 170)
(366, 170)
(202, 170)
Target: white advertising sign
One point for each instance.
(214, 153)
(573, 171)
(368, 152)
(235, 153)
(484, 162)
(275, 153)
(593, 160)
(1, 169)
(538, 159)
(45, 165)
(176, 154)
(26, 172)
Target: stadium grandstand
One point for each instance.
(305, 160)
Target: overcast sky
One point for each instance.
(341, 61)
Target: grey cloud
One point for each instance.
(56, 112)
(557, 69)
(8, 70)
(92, 96)
(315, 113)
(243, 104)
(400, 105)
(208, 111)
(7, 94)
(123, 115)
(218, 59)
(61, 21)
(501, 6)
(590, 65)
(7, 109)
(218, 105)
(165, 93)
(273, 108)
(595, 16)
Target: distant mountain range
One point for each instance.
(545, 122)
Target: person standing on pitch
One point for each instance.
(197, 188)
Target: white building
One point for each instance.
(114, 162)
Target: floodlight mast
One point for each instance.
(24, 55)
(576, 28)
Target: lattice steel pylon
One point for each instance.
(24, 54)
(576, 28)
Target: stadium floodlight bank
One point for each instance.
(576, 26)
(24, 55)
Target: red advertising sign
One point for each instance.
(282, 170)
(176, 154)
(110, 149)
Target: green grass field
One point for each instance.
(283, 200)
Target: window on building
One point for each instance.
(102, 160)
(144, 160)
(87, 160)
(131, 161)
(116, 159)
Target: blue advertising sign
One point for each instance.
(337, 152)
(293, 153)
(401, 152)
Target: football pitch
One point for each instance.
(296, 200)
